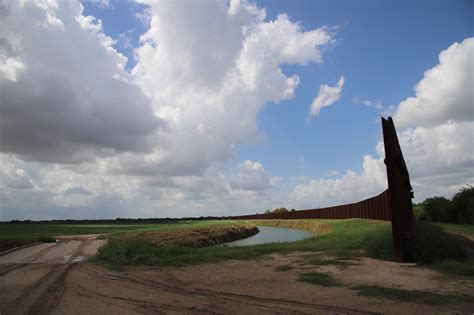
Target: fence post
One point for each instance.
(399, 195)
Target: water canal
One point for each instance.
(269, 234)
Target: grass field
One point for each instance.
(12, 235)
(343, 238)
(352, 237)
(467, 229)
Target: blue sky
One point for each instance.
(220, 110)
(382, 48)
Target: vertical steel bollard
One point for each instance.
(399, 195)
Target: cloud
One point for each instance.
(64, 94)
(349, 187)
(12, 174)
(85, 190)
(209, 76)
(377, 104)
(101, 3)
(83, 134)
(440, 158)
(83, 137)
(437, 145)
(251, 177)
(445, 92)
(327, 96)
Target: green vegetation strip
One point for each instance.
(284, 268)
(416, 296)
(459, 268)
(467, 229)
(345, 237)
(329, 262)
(319, 278)
(17, 234)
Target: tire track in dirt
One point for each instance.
(268, 303)
(45, 294)
(177, 287)
(143, 304)
(25, 262)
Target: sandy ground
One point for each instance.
(54, 278)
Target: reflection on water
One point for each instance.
(272, 235)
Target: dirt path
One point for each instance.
(31, 277)
(53, 280)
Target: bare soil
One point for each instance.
(53, 279)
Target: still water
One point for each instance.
(272, 235)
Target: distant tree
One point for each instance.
(462, 206)
(437, 208)
(419, 212)
(279, 210)
(459, 209)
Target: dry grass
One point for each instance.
(317, 227)
(193, 238)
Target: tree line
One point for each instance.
(458, 209)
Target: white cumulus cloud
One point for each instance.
(64, 94)
(436, 134)
(327, 96)
(95, 140)
(446, 91)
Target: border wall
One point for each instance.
(376, 208)
(393, 205)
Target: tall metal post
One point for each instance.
(400, 195)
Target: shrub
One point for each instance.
(378, 243)
(460, 209)
(432, 244)
(462, 206)
(319, 278)
(419, 212)
(437, 208)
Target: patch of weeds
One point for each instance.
(284, 268)
(432, 244)
(47, 239)
(378, 243)
(435, 245)
(333, 262)
(459, 268)
(316, 260)
(416, 296)
(319, 278)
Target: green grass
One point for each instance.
(345, 238)
(352, 237)
(14, 234)
(284, 268)
(319, 278)
(432, 244)
(457, 228)
(316, 261)
(459, 268)
(416, 296)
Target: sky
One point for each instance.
(183, 108)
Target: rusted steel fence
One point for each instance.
(393, 205)
(376, 208)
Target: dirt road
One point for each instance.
(54, 278)
(33, 275)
